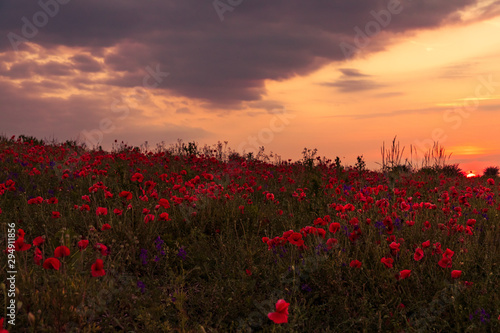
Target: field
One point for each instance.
(175, 240)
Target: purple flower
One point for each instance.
(144, 256)
(141, 286)
(182, 253)
(158, 243)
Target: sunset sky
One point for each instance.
(340, 76)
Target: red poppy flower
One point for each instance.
(419, 254)
(355, 263)
(38, 256)
(491, 181)
(455, 274)
(2, 330)
(105, 226)
(394, 247)
(296, 239)
(164, 203)
(61, 251)
(125, 194)
(118, 211)
(403, 274)
(448, 253)
(20, 245)
(137, 177)
(38, 241)
(387, 262)
(334, 227)
(56, 215)
(101, 211)
(52, 263)
(331, 242)
(149, 218)
(270, 196)
(280, 316)
(445, 262)
(164, 217)
(82, 245)
(426, 244)
(471, 222)
(103, 248)
(97, 268)
(37, 200)
(20, 233)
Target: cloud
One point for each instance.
(269, 106)
(221, 64)
(183, 111)
(349, 81)
(351, 72)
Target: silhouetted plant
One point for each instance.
(491, 171)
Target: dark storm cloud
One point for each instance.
(224, 62)
(86, 63)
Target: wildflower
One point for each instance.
(137, 177)
(419, 254)
(387, 262)
(334, 227)
(141, 286)
(101, 211)
(82, 245)
(149, 218)
(331, 242)
(296, 239)
(103, 248)
(280, 316)
(38, 241)
(355, 263)
(455, 274)
(164, 203)
(51, 263)
(38, 256)
(97, 268)
(144, 256)
(394, 247)
(61, 251)
(445, 262)
(105, 226)
(20, 245)
(125, 194)
(2, 330)
(403, 274)
(182, 253)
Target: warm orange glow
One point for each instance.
(471, 174)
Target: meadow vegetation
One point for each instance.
(189, 239)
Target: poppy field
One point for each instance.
(183, 240)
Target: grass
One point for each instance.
(207, 265)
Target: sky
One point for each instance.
(342, 77)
